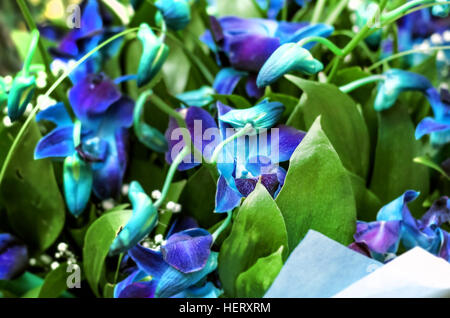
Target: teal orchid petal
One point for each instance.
(441, 10)
(287, 58)
(198, 98)
(154, 54)
(397, 81)
(263, 115)
(141, 223)
(78, 179)
(176, 13)
(21, 92)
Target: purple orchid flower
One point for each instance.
(395, 224)
(13, 256)
(244, 45)
(95, 27)
(176, 269)
(243, 162)
(104, 114)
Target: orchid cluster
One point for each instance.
(193, 146)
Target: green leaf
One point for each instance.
(246, 8)
(317, 193)
(258, 231)
(55, 282)
(341, 121)
(30, 193)
(254, 282)
(98, 239)
(198, 198)
(367, 203)
(394, 171)
(430, 164)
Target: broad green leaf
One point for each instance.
(367, 203)
(341, 121)
(98, 239)
(258, 231)
(30, 193)
(317, 193)
(22, 284)
(394, 170)
(197, 198)
(254, 282)
(55, 282)
(245, 8)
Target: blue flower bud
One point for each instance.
(287, 58)
(141, 223)
(154, 54)
(199, 98)
(176, 13)
(264, 115)
(398, 81)
(21, 92)
(77, 184)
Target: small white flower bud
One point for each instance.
(32, 261)
(7, 121)
(125, 189)
(170, 206)
(177, 208)
(54, 265)
(62, 247)
(156, 194)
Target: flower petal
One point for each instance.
(322, 30)
(188, 251)
(13, 257)
(438, 214)
(395, 210)
(150, 261)
(429, 125)
(58, 143)
(226, 197)
(380, 237)
(226, 80)
(57, 114)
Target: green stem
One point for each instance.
(30, 53)
(24, 127)
(318, 11)
(173, 168)
(220, 146)
(404, 8)
(404, 53)
(116, 275)
(44, 54)
(139, 106)
(77, 133)
(337, 51)
(223, 226)
(336, 12)
(363, 81)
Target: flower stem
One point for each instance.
(404, 53)
(220, 146)
(363, 81)
(318, 11)
(116, 275)
(337, 51)
(31, 51)
(173, 168)
(336, 12)
(27, 122)
(223, 226)
(404, 8)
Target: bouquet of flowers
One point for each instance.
(223, 148)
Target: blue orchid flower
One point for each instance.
(246, 44)
(176, 13)
(395, 224)
(95, 27)
(104, 114)
(287, 58)
(249, 158)
(176, 270)
(439, 126)
(141, 223)
(13, 256)
(395, 82)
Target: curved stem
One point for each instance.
(222, 226)
(337, 51)
(24, 127)
(363, 81)
(404, 8)
(220, 146)
(31, 51)
(404, 53)
(173, 168)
